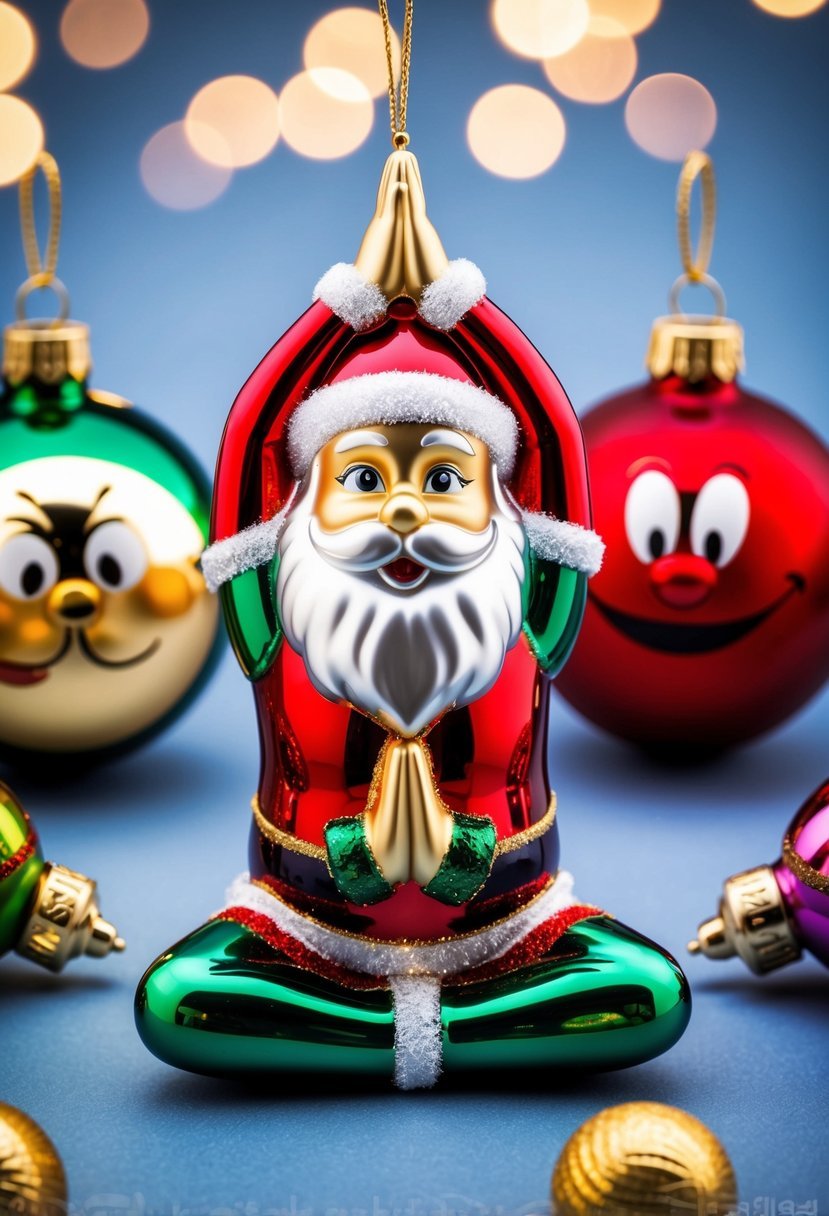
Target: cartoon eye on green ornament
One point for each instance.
(106, 628)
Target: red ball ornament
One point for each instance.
(709, 621)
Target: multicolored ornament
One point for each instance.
(771, 914)
(709, 621)
(642, 1157)
(400, 584)
(106, 628)
(48, 914)
(32, 1180)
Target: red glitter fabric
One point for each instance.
(537, 942)
(16, 860)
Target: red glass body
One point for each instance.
(678, 652)
(491, 757)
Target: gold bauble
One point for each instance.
(641, 1158)
(32, 1181)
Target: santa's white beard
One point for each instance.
(401, 655)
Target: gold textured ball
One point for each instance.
(642, 1158)
(32, 1181)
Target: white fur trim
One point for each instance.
(459, 288)
(418, 1032)
(253, 546)
(350, 296)
(414, 971)
(556, 540)
(381, 958)
(384, 398)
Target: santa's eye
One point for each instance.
(653, 515)
(719, 520)
(28, 566)
(363, 479)
(114, 556)
(444, 480)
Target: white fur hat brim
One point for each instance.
(385, 398)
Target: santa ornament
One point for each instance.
(402, 543)
(709, 622)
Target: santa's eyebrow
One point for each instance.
(361, 439)
(449, 439)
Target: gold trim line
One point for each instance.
(295, 844)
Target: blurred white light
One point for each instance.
(790, 8)
(104, 33)
(17, 45)
(175, 176)
(325, 123)
(670, 115)
(539, 29)
(516, 131)
(245, 113)
(351, 39)
(599, 68)
(21, 138)
(634, 15)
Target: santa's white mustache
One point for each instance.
(444, 548)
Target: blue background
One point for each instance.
(182, 305)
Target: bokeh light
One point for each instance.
(539, 29)
(790, 8)
(317, 121)
(175, 176)
(17, 45)
(21, 138)
(245, 113)
(516, 131)
(351, 39)
(104, 33)
(598, 68)
(670, 115)
(634, 15)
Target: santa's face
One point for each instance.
(400, 572)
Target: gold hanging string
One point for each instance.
(695, 263)
(42, 270)
(398, 98)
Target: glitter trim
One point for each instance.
(17, 859)
(801, 869)
(444, 956)
(295, 844)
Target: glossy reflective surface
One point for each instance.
(224, 1002)
(106, 627)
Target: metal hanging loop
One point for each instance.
(695, 261)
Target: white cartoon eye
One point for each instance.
(719, 520)
(28, 566)
(362, 478)
(114, 556)
(652, 515)
(444, 480)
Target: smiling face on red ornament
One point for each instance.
(709, 621)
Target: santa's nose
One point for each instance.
(74, 602)
(683, 580)
(403, 511)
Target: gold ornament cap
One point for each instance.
(32, 1180)
(752, 923)
(48, 351)
(695, 348)
(65, 921)
(642, 1157)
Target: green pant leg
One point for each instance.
(602, 997)
(224, 1002)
